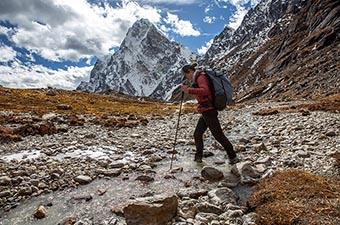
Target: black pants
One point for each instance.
(210, 120)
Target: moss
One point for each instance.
(38, 102)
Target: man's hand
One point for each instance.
(185, 88)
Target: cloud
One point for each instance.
(205, 47)
(181, 27)
(63, 29)
(7, 53)
(21, 76)
(169, 2)
(209, 19)
(237, 18)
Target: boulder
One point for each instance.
(222, 195)
(156, 210)
(81, 179)
(245, 170)
(5, 180)
(211, 173)
(209, 208)
(40, 212)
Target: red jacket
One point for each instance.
(202, 92)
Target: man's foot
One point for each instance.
(198, 159)
(234, 160)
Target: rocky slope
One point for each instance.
(117, 168)
(282, 50)
(146, 64)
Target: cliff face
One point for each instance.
(282, 50)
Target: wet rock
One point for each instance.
(145, 178)
(331, 133)
(64, 107)
(109, 172)
(230, 180)
(157, 210)
(245, 170)
(222, 195)
(83, 179)
(68, 221)
(211, 173)
(5, 180)
(209, 208)
(207, 154)
(40, 213)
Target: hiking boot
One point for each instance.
(234, 160)
(198, 158)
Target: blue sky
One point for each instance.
(56, 42)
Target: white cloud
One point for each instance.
(181, 27)
(237, 18)
(238, 15)
(63, 29)
(7, 53)
(176, 2)
(37, 76)
(205, 47)
(209, 19)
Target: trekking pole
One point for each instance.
(177, 128)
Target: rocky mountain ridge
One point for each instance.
(146, 64)
(282, 50)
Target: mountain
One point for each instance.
(284, 49)
(146, 64)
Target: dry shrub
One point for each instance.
(296, 197)
(266, 112)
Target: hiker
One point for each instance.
(202, 92)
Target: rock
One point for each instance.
(40, 212)
(5, 180)
(83, 179)
(264, 160)
(49, 116)
(51, 92)
(209, 208)
(211, 173)
(64, 107)
(109, 172)
(245, 170)
(117, 165)
(25, 191)
(205, 218)
(230, 180)
(68, 221)
(240, 148)
(145, 178)
(157, 210)
(177, 170)
(207, 154)
(249, 219)
(302, 154)
(188, 209)
(259, 147)
(222, 195)
(244, 140)
(331, 133)
(192, 193)
(4, 194)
